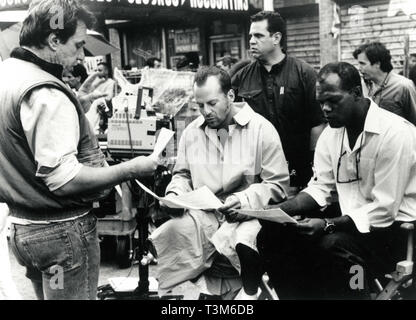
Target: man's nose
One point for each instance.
(252, 40)
(207, 109)
(325, 107)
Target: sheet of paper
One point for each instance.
(199, 199)
(162, 141)
(274, 215)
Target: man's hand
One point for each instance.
(228, 209)
(312, 227)
(231, 203)
(173, 212)
(143, 166)
(87, 93)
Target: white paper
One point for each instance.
(199, 199)
(274, 215)
(162, 141)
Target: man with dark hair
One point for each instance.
(237, 154)
(154, 63)
(367, 157)
(226, 62)
(96, 115)
(389, 90)
(282, 89)
(52, 166)
(75, 77)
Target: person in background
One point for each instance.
(75, 77)
(52, 168)
(190, 62)
(154, 63)
(282, 89)
(97, 114)
(226, 62)
(388, 89)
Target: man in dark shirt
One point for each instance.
(282, 89)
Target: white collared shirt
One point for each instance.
(247, 161)
(386, 154)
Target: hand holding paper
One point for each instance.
(274, 215)
(200, 199)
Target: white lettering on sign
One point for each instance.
(232, 5)
(13, 3)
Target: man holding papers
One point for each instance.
(367, 157)
(237, 155)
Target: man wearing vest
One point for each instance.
(51, 166)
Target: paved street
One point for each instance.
(108, 269)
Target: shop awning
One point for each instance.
(197, 5)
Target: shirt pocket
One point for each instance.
(366, 174)
(293, 107)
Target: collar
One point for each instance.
(372, 121)
(26, 55)
(276, 67)
(242, 117)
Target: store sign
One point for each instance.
(186, 40)
(226, 5)
(11, 4)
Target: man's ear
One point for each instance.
(277, 36)
(357, 92)
(53, 41)
(231, 95)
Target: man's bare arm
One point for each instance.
(91, 179)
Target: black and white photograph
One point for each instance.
(221, 152)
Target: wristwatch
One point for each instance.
(329, 226)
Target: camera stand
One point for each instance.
(142, 291)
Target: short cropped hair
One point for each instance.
(203, 73)
(42, 15)
(275, 23)
(349, 75)
(376, 52)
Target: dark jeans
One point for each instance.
(328, 267)
(62, 259)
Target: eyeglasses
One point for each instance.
(357, 160)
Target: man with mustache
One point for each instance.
(282, 89)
